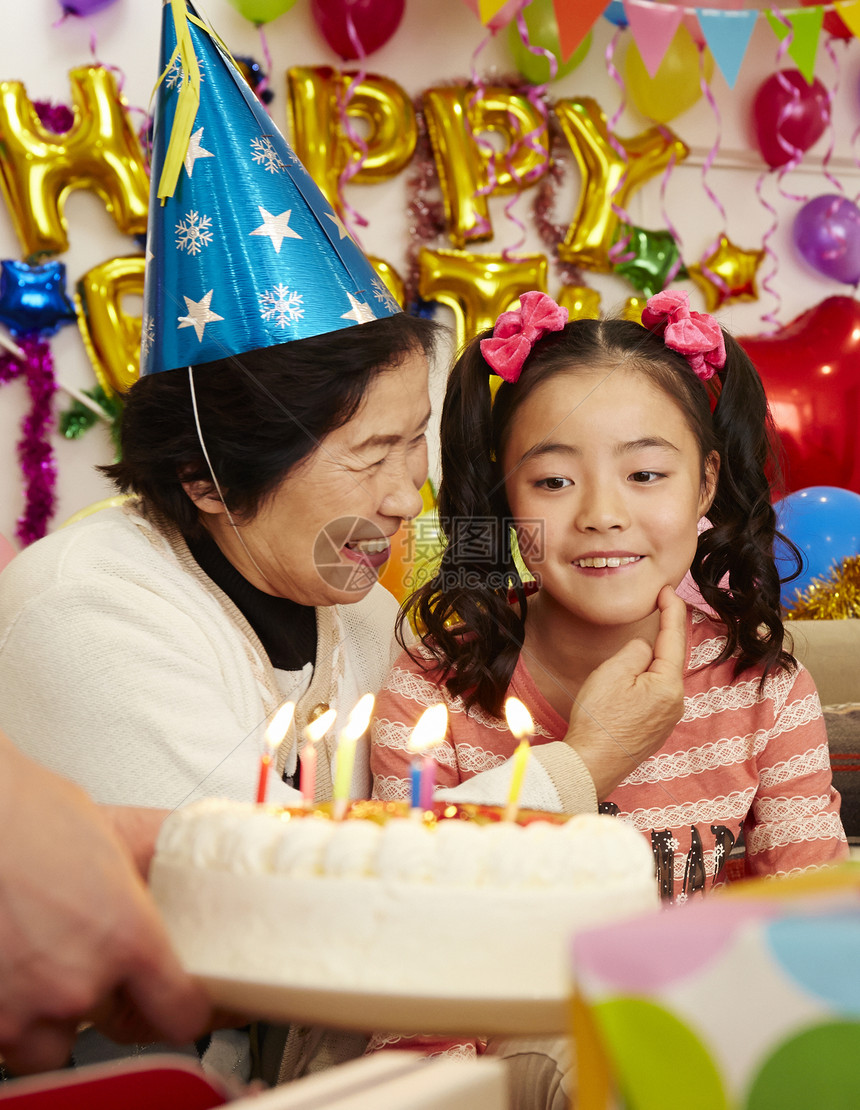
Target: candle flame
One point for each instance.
(317, 729)
(519, 719)
(430, 729)
(277, 728)
(359, 718)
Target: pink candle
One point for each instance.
(263, 780)
(308, 773)
(428, 781)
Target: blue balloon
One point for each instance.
(615, 13)
(824, 522)
(33, 299)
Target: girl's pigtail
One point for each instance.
(740, 546)
(462, 613)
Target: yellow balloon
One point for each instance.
(468, 172)
(39, 168)
(608, 179)
(111, 336)
(675, 86)
(581, 302)
(319, 135)
(477, 287)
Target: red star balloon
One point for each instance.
(811, 374)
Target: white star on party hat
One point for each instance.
(243, 250)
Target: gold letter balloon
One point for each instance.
(456, 117)
(318, 105)
(608, 179)
(110, 334)
(477, 287)
(39, 168)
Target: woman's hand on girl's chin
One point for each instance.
(629, 705)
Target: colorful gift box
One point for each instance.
(748, 1000)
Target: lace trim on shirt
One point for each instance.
(739, 695)
(789, 809)
(724, 752)
(804, 763)
(421, 690)
(825, 826)
(704, 811)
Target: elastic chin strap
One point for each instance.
(212, 475)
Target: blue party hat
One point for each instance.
(243, 250)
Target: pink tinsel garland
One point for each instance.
(35, 453)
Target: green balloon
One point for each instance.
(262, 11)
(654, 256)
(543, 32)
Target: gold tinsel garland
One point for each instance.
(835, 597)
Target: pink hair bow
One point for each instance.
(517, 332)
(695, 335)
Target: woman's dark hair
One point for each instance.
(473, 632)
(261, 413)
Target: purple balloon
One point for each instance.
(827, 235)
(84, 7)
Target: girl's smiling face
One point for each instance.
(606, 461)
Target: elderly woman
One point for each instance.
(143, 649)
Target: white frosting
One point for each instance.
(456, 907)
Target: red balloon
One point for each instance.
(832, 24)
(811, 374)
(373, 22)
(786, 106)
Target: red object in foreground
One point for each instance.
(165, 1082)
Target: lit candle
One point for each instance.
(276, 730)
(428, 732)
(356, 727)
(521, 725)
(314, 732)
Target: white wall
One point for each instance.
(434, 45)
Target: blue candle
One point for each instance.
(415, 780)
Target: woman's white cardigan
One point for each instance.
(125, 668)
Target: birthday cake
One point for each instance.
(457, 902)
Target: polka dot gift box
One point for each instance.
(747, 1001)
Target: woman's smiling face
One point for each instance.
(607, 462)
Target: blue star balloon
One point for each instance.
(244, 252)
(33, 299)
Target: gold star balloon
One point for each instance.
(728, 274)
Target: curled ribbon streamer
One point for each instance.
(482, 224)
(795, 152)
(769, 317)
(715, 148)
(618, 252)
(35, 453)
(831, 97)
(353, 166)
(267, 59)
(537, 98)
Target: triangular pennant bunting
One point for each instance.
(805, 30)
(574, 22)
(489, 9)
(727, 34)
(653, 27)
(849, 12)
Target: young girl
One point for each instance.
(601, 450)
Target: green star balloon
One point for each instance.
(649, 259)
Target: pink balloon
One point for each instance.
(787, 107)
(7, 551)
(355, 28)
